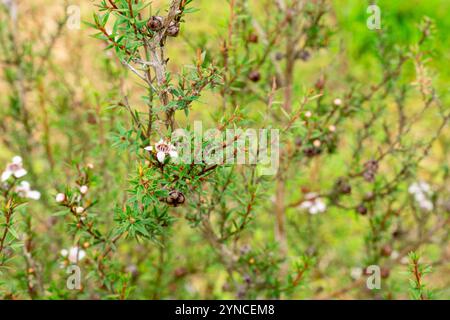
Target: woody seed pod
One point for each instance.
(254, 76)
(173, 29)
(155, 23)
(175, 198)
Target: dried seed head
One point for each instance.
(175, 198)
(155, 23)
(173, 29)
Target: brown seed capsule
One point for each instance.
(173, 29)
(175, 198)
(180, 272)
(253, 38)
(155, 23)
(343, 187)
(320, 83)
(254, 76)
(369, 196)
(386, 251)
(397, 233)
(303, 55)
(370, 170)
(362, 210)
(385, 272)
(311, 152)
(279, 56)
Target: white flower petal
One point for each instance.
(20, 173)
(161, 156)
(306, 205)
(6, 175)
(320, 205)
(34, 195)
(424, 187)
(25, 185)
(413, 188)
(419, 197)
(17, 160)
(149, 148)
(64, 252)
(426, 205)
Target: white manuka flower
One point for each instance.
(24, 190)
(313, 204)
(162, 150)
(419, 187)
(15, 168)
(421, 192)
(74, 254)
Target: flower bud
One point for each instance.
(79, 210)
(337, 102)
(60, 197)
(84, 189)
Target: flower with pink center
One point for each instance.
(163, 149)
(15, 168)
